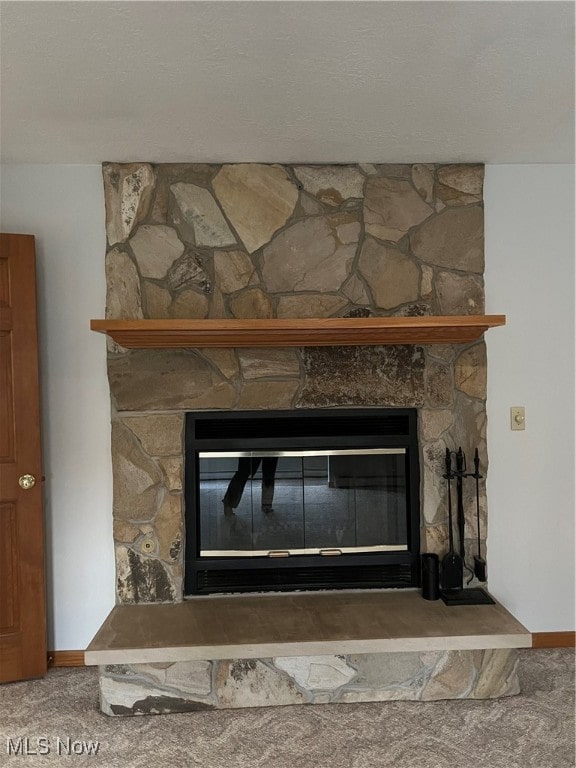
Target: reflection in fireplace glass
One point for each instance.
(302, 502)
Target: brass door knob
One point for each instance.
(26, 482)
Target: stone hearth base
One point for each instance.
(187, 686)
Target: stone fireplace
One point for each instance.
(262, 241)
(288, 241)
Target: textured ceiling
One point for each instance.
(85, 82)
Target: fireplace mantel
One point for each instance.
(297, 332)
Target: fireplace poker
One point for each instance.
(479, 562)
(452, 564)
(460, 470)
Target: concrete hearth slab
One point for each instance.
(258, 626)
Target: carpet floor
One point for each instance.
(532, 730)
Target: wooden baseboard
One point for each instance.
(66, 659)
(554, 640)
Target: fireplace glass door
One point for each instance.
(305, 499)
(286, 503)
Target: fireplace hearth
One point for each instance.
(279, 501)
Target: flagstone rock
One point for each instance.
(145, 696)
(307, 257)
(391, 376)
(159, 434)
(168, 526)
(470, 371)
(172, 173)
(310, 672)
(379, 670)
(392, 207)
(454, 239)
(217, 306)
(423, 180)
(173, 469)
(233, 271)
(395, 693)
(427, 282)
(125, 532)
(433, 507)
(251, 683)
(448, 196)
(198, 217)
(443, 352)
(355, 290)
(187, 272)
(268, 394)
(189, 305)
(123, 298)
(459, 294)
(116, 699)
(395, 170)
(159, 212)
(348, 232)
(224, 359)
(470, 420)
(439, 384)
(332, 184)
(141, 579)
(156, 300)
(453, 677)
(359, 312)
(192, 677)
(136, 478)
(415, 309)
(310, 305)
(166, 379)
(128, 192)
(309, 205)
(434, 422)
(434, 538)
(465, 178)
(393, 278)
(259, 363)
(257, 199)
(497, 675)
(251, 303)
(156, 247)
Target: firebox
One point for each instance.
(296, 500)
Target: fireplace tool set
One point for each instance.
(453, 565)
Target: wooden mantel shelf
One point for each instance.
(309, 332)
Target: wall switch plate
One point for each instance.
(517, 417)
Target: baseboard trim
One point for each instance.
(554, 640)
(66, 659)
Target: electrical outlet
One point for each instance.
(517, 417)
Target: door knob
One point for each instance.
(26, 482)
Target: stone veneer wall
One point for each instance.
(259, 241)
(189, 686)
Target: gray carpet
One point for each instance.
(533, 730)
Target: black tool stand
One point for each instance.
(471, 596)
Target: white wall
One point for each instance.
(63, 206)
(529, 276)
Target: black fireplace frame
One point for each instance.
(303, 428)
